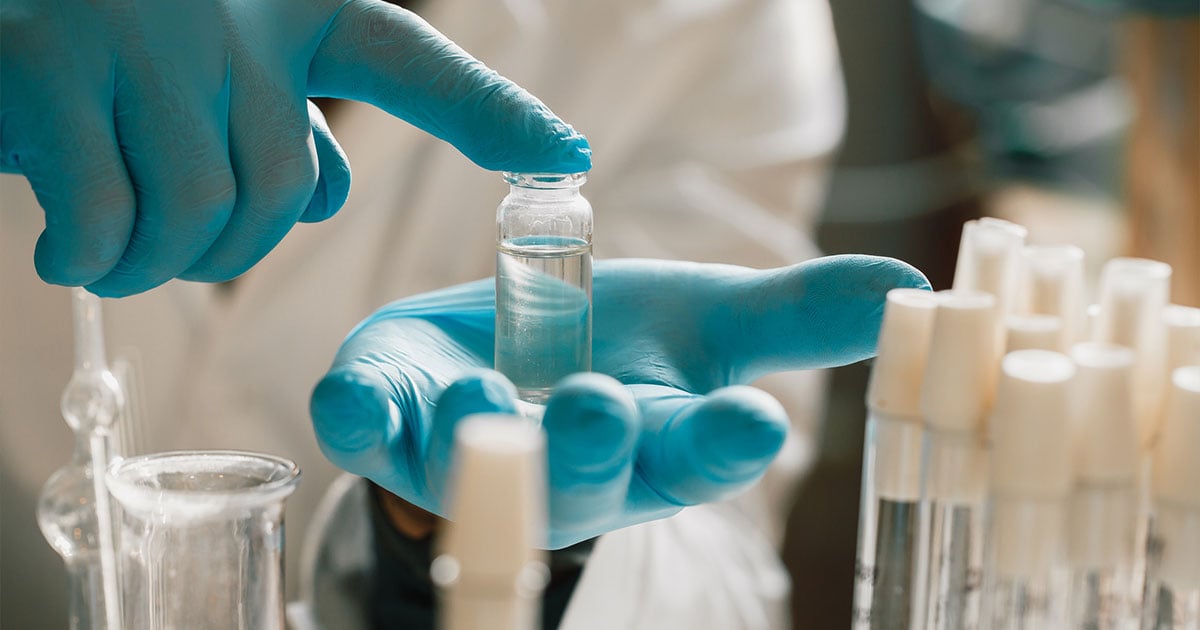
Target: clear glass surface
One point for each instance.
(1169, 608)
(1105, 590)
(201, 539)
(889, 574)
(1026, 580)
(955, 483)
(1172, 593)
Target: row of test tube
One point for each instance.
(1031, 462)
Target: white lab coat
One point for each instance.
(712, 123)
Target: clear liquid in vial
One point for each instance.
(543, 312)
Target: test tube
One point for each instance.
(543, 282)
(1133, 295)
(1025, 584)
(202, 539)
(956, 396)
(490, 570)
(1103, 507)
(1173, 578)
(1051, 285)
(1183, 336)
(989, 257)
(1034, 332)
(889, 578)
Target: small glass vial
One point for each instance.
(543, 282)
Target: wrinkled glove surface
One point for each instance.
(666, 420)
(174, 139)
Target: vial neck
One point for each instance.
(554, 186)
(534, 195)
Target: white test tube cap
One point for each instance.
(1104, 428)
(1183, 336)
(1177, 462)
(1031, 425)
(1091, 322)
(895, 385)
(988, 258)
(498, 502)
(1034, 332)
(1133, 294)
(1051, 283)
(960, 374)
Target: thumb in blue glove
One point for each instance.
(172, 140)
(667, 421)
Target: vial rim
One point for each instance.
(546, 181)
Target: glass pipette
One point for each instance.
(74, 511)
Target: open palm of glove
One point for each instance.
(174, 139)
(666, 420)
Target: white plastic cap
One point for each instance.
(895, 386)
(1183, 336)
(1091, 322)
(988, 258)
(1133, 294)
(498, 505)
(960, 374)
(1034, 332)
(1051, 283)
(1031, 426)
(1104, 429)
(1177, 464)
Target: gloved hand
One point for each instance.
(173, 139)
(672, 424)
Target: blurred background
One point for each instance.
(875, 126)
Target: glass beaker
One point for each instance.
(201, 539)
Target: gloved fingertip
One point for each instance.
(576, 155)
(736, 433)
(592, 425)
(351, 412)
(318, 206)
(880, 274)
(66, 267)
(907, 276)
(485, 392)
(122, 284)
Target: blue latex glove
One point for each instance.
(173, 139)
(672, 424)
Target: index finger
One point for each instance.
(388, 57)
